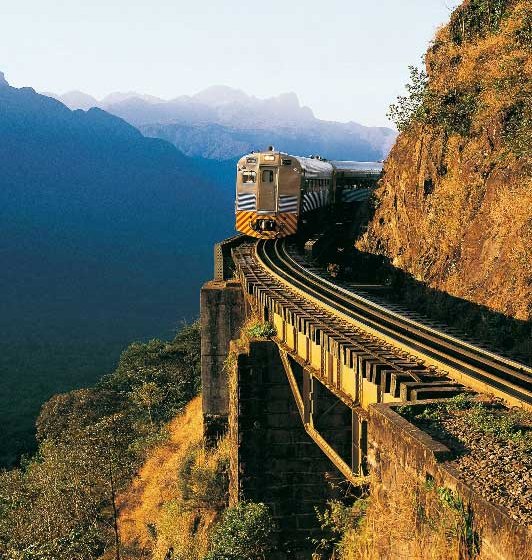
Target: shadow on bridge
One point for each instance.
(498, 331)
(501, 333)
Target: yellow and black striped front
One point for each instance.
(266, 226)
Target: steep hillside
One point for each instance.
(454, 208)
(222, 123)
(157, 480)
(106, 238)
(177, 494)
(218, 142)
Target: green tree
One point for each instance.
(412, 107)
(174, 367)
(147, 396)
(62, 503)
(244, 533)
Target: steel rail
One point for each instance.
(511, 366)
(505, 377)
(398, 361)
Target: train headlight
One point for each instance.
(269, 158)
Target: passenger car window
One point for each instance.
(249, 177)
(267, 176)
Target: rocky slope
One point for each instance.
(454, 208)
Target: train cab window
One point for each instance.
(267, 176)
(249, 177)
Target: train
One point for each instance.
(276, 191)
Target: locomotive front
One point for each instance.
(267, 194)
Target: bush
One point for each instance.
(517, 127)
(194, 491)
(335, 521)
(259, 329)
(204, 477)
(410, 108)
(158, 378)
(476, 18)
(453, 109)
(244, 533)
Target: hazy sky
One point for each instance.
(346, 59)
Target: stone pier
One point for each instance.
(223, 312)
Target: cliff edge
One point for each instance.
(454, 207)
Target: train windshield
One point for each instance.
(267, 176)
(249, 177)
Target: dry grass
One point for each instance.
(411, 523)
(176, 496)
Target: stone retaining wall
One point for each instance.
(399, 450)
(223, 313)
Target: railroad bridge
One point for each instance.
(311, 409)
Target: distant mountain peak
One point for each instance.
(289, 98)
(3, 81)
(78, 100)
(220, 122)
(218, 95)
(119, 97)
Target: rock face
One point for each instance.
(454, 208)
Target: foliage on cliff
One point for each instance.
(177, 494)
(417, 521)
(63, 502)
(177, 504)
(454, 205)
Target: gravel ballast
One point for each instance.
(492, 447)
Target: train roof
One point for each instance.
(364, 167)
(314, 166)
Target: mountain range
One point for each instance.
(106, 238)
(223, 123)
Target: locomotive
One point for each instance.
(275, 190)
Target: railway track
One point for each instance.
(419, 360)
